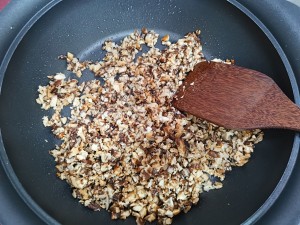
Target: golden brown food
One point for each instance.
(125, 148)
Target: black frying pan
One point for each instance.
(81, 27)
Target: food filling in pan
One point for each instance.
(124, 148)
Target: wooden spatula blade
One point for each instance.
(236, 98)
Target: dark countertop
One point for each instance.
(281, 17)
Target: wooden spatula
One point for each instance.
(236, 98)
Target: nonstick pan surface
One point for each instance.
(81, 27)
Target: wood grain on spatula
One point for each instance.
(236, 98)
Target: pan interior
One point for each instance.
(81, 27)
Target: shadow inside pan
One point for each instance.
(81, 27)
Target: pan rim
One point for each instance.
(253, 218)
(44, 216)
(294, 153)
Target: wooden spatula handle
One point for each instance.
(283, 113)
(236, 98)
